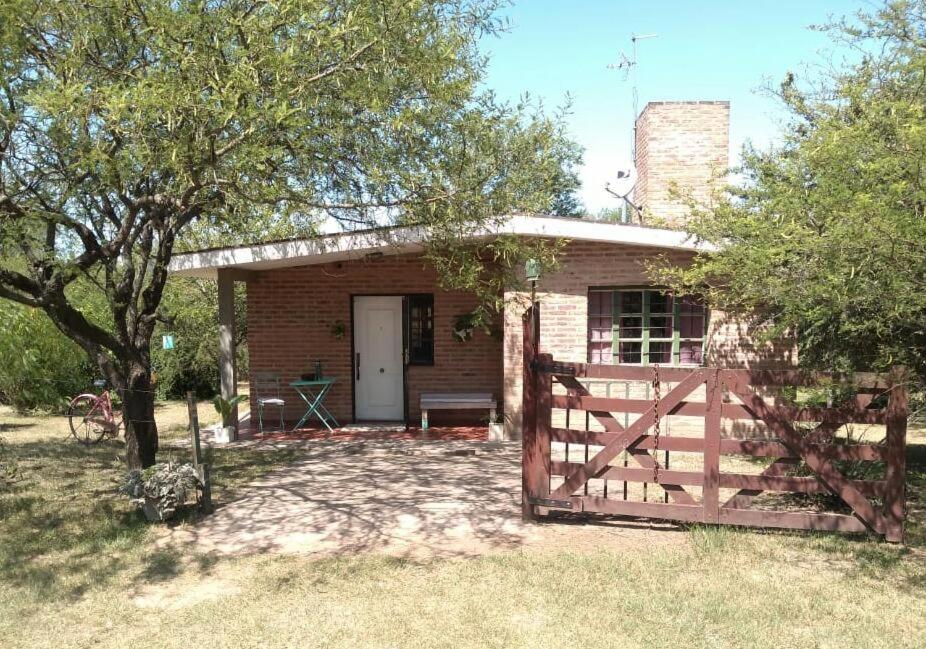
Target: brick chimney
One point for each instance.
(683, 144)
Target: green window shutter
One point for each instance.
(644, 348)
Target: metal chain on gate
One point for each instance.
(656, 422)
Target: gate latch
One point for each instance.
(550, 502)
(566, 369)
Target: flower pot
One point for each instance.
(223, 435)
(151, 511)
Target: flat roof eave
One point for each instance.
(402, 240)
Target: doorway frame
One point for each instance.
(353, 354)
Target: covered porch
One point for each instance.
(345, 338)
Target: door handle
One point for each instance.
(357, 365)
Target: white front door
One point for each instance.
(378, 385)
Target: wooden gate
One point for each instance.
(807, 454)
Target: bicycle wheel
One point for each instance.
(88, 423)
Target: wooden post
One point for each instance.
(201, 467)
(543, 424)
(205, 475)
(895, 457)
(713, 398)
(194, 428)
(531, 456)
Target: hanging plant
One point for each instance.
(338, 330)
(463, 327)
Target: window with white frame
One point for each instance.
(643, 326)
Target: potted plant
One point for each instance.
(338, 329)
(463, 327)
(159, 490)
(225, 431)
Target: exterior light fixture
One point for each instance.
(532, 270)
(532, 275)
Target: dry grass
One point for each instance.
(64, 531)
(78, 568)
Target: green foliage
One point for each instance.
(827, 235)
(191, 307)
(39, 367)
(338, 330)
(161, 489)
(463, 326)
(488, 268)
(225, 406)
(614, 215)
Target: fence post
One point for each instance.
(543, 423)
(713, 397)
(895, 456)
(531, 454)
(201, 467)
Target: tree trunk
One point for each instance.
(141, 432)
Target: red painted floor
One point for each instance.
(441, 433)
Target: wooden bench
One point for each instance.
(456, 401)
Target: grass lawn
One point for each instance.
(78, 568)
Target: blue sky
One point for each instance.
(708, 49)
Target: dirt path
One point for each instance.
(415, 499)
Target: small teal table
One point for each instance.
(314, 393)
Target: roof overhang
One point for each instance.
(391, 241)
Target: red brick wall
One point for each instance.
(563, 297)
(682, 143)
(290, 313)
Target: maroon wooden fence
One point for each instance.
(730, 395)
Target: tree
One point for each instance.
(124, 124)
(567, 203)
(827, 236)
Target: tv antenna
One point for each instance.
(629, 65)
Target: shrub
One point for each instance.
(193, 363)
(39, 367)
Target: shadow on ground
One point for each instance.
(390, 496)
(65, 529)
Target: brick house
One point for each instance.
(369, 308)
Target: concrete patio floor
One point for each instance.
(399, 497)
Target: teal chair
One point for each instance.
(266, 387)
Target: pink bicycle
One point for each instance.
(91, 416)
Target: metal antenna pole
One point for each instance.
(629, 66)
